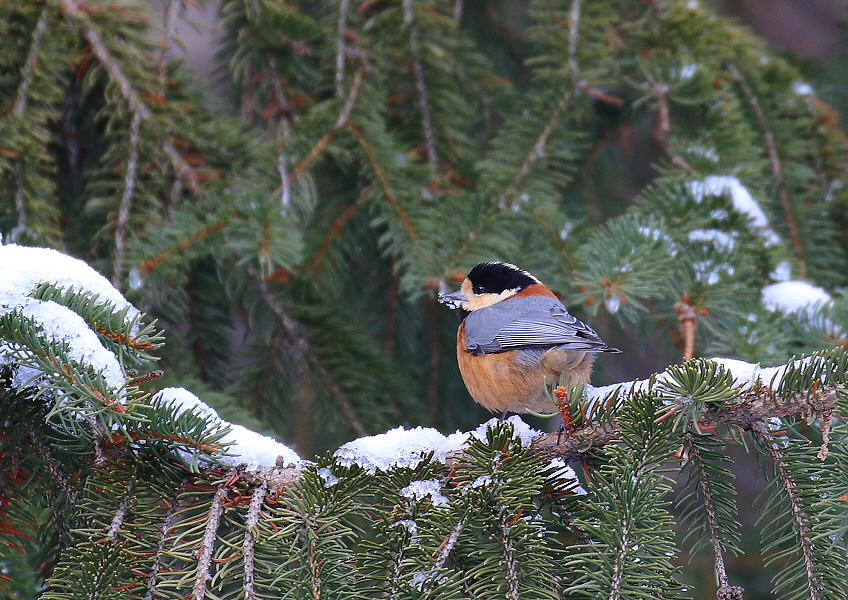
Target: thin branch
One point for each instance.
(508, 552)
(340, 47)
(538, 149)
(207, 544)
(802, 519)
(120, 514)
(126, 201)
(248, 547)
(694, 453)
(776, 168)
(421, 86)
(31, 62)
(573, 28)
(333, 233)
(292, 331)
(156, 567)
(285, 123)
(98, 46)
(328, 136)
(661, 128)
(688, 325)
(457, 11)
(384, 181)
(20, 196)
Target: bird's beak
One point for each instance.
(453, 300)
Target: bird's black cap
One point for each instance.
(496, 277)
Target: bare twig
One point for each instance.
(573, 28)
(165, 529)
(285, 124)
(776, 168)
(340, 47)
(457, 11)
(126, 201)
(421, 86)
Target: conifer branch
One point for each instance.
(77, 10)
(328, 136)
(508, 555)
(421, 86)
(164, 531)
(20, 197)
(383, 178)
(802, 519)
(340, 47)
(661, 127)
(334, 232)
(292, 331)
(776, 168)
(573, 28)
(30, 62)
(257, 499)
(538, 149)
(152, 264)
(207, 543)
(457, 11)
(120, 514)
(126, 201)
(50, 462)
(694, 453)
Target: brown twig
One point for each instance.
(384, 180)
(661, 127)
(333, 233)
(688, 326)
(776, 167)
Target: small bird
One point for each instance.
(515, 337)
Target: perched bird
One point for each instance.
(515, 336)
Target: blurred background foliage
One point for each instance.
(287, 185)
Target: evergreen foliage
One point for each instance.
(657, 165)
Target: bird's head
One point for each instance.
(487, 284)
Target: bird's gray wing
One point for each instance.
(536, 321)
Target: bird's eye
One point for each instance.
(479, 289)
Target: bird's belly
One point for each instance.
(515, 380)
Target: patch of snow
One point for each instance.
(328, 476)
(564, 471)
(783, 271)
(246, 447)
(525, 433)
(791, 297)
(720, 239)
(418, 490)
(742, 200)
(800, 88)
(399, 447)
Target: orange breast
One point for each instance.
(515, 380)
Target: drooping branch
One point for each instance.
(126, 201)
(292, 331)
(801, 518)
(776, 167)
(421, 86)
(31, 62)
(328, 136)
(538, 149)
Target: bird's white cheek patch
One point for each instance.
(477, 301)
